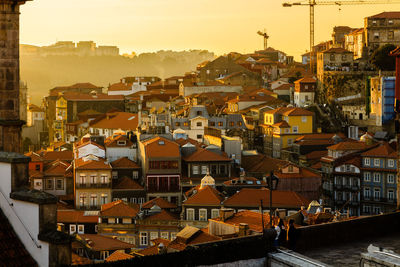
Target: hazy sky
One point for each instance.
(217, 25)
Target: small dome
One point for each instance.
(207, 180)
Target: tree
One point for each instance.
(381, 59)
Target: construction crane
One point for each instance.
(265, 35)
(312, 3)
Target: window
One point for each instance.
(195, 169)
(367, 161)
(377, 162)
(49, 184)
(220, 123)
(104, 198)
(390, 35)
(367, 193)
(344, 57)
(186, 124)
(376, 35)
(177, 123)
(304, 118)
(141, 200)
(135, 174)
(390, 195)
(114, 175)
(153, 235)
(133, 200)
(391, 163)
(290, 141)
(377, 193)
(202, 215)
(214, 169)
(212, 123)
(199, 113)
(190, 214)
(214, 213)
(390, 21)
(199, 136)
(93, 179)
(164, 235)
(37, 167)
(82, 179)
(104, 179)
(143, 239)
(377, 210)
(295, 129)
(93, 200)
(82, 200)
(231, 123)
(239, 123)
(204, 169)
(377, 177)
(199, 124)
(72, 229)
(332, 57)
(390, 178)
(81, 229)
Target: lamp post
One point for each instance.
(272, 185)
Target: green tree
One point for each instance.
(382, 60)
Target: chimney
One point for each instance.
(225, 213)
(243, 229)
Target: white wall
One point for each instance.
(114, 153)
(91, 150)
(22, 214)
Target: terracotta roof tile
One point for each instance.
(118, 256)
(306, 80)
(127, 183)
(303, 173)
(280, 199)
(116, 120)
(384, 151)
(78, 260)
(118, 140)
(290, 111)
(119, 209)
(261, 164)
(386, 15)
(66, 155)
(207, 196)
(152, 250)
(101, 243)
(35, 157)
(56, 168)
(162, 216)
(349, 145)
(75, 216)
(253, 220)
(86, 163)
(124, 163)
(203, 154)
(120, 87)
(162, 203)
(98, 97)
(159, 147)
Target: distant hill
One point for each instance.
(43, 73)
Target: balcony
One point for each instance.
(96, 185)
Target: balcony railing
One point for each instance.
(95, 185)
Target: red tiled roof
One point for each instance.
(349, 145)
(253, 219)
(198, 237)
(75, 216)
(336, 50)
(66, 155)
(34, 108)
(118, 256)
(162, 203)
(116, 120)
(207, 196)
(261, 164)
(306, 80)
(384, 151)
(282, 124)
(127, 183)
(56, 168)
(290, 111)
(251, 198)
(160, 147)
(285, 86)
(152, 250)
(112, 141)
(303, 173)
(316, 155)
(386, 15)
(101, 243)
(124, 163)
(162, 216)
(78, 260)
(74, 96)
(120, 87)
(35, 157)
(203, 154)
(119, 209)
(89, 142)
(183, 142)
(100, 164)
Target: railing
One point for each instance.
(95, 185)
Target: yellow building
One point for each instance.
(282, 126)
(61, 119)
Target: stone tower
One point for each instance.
(10, 122)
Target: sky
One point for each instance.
(220, 26)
